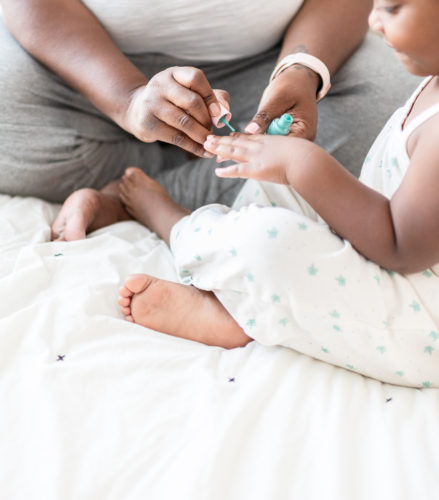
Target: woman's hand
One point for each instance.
(261, 157)
(176, 106)
(293, 91)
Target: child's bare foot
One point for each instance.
(149, 203)
(179, 310)
(86, 210)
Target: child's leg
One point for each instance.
(180, 310)
(288, 280)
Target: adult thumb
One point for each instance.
(260, 121)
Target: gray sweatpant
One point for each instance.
(53, 141)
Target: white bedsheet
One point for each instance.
(93, 407)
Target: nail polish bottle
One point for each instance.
(280, 126)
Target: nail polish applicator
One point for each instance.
(224, 117)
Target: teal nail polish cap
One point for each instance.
(280, 126)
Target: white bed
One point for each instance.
(93, 407)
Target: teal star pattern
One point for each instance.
(341, 280)
(283, 321)
(415, 306)
(302, 226)
(272, 233)
(233, 252)
(250, 277)
(427, 273)
(350, 367)
(197, 229)
(337, 328)
(251, 323)
(275, 298)
(325, 350)
(428, 349)
(378, 279)
(427, 383)
(312, 270)
(399, 373)
(334, 314)
(434, 335)
(198, 258)
(381, 349)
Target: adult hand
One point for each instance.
(176, 106)
(292, 91)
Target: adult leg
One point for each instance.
(52, 140)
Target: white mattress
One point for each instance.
(93, 407)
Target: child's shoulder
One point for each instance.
(421, 128)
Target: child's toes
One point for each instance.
(126, 311)
(124, 301)
(125, 292)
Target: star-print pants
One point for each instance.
(289, 280)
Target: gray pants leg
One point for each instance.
(52, 141)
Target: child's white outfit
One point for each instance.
(289, 280)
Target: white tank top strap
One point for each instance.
(419, 120)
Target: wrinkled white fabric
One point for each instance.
(131, 414)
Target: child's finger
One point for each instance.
(240, 170)
(231, 150)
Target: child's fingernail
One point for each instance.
(252, 128)
(206, 154)
(214, 109)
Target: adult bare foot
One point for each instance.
(84, 211)
(149, 203)
(179, 310)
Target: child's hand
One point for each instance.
(260, 157)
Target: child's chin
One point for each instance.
(414, 68)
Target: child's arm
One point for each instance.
(399, 234)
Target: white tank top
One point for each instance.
(212, 30)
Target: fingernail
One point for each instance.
(206, 154)
(252, 128)
(214, 109)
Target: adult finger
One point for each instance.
(177, 118)
(195, 79)
(172, 135)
